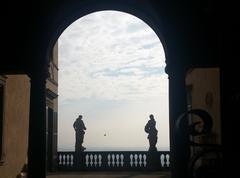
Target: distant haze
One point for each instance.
(111, 71)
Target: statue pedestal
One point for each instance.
(79, 160)
(153, 160)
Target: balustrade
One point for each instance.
(114, 160)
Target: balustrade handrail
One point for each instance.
(113, 160)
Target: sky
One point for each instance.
(111, 71)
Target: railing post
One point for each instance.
(104, 160)
(126, 160)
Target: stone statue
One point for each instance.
(79, 128)
(150, 128)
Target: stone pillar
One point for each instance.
(37, 128)
(179, 143)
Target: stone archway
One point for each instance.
(154, 21)
(170, 23)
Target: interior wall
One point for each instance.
(16, 117)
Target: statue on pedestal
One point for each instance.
(150, 128)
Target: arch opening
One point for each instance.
(112, 74)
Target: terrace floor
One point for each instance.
(109, 175)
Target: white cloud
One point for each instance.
(90, 56)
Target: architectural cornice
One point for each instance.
(50, 94)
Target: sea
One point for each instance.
(71, 148)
